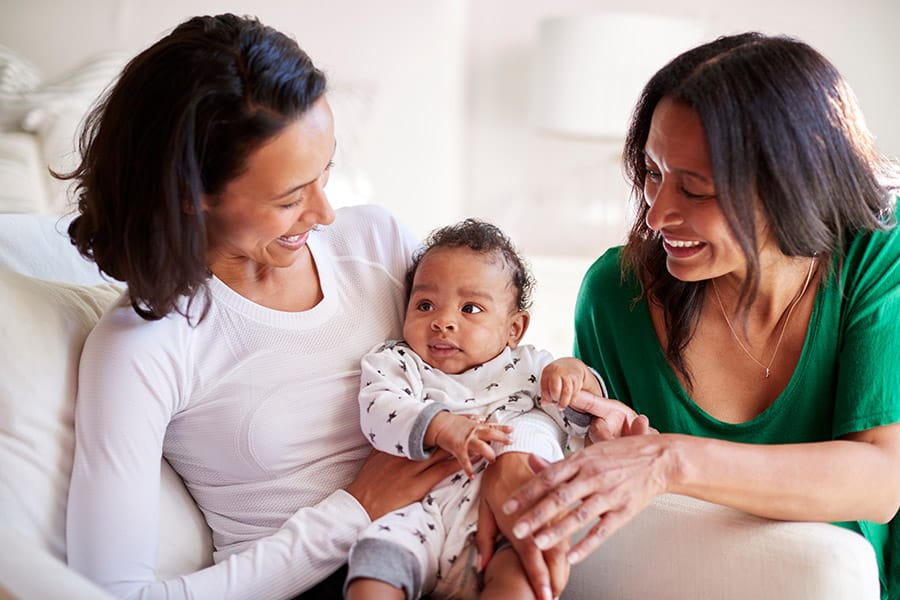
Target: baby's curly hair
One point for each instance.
(485, 238)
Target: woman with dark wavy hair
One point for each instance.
(235, 352)
(752, 314)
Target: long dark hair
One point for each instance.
(785, 133)
(180, 122)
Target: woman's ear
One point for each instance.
(518, 325)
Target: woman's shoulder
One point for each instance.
(605, 274)
(873, 257)
(121, 331)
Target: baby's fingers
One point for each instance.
(493, 432)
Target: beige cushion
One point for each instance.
(680, 548)
(43, 326)
(22, 178)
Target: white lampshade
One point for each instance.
(591, 69)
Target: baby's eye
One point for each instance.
(652, 175)
(424, 306)
(471, 309)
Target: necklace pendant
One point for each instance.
(767, 372)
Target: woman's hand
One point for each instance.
(386, 482)
(612, 419)
(548, 569)
(612, 481)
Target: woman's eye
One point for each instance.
(290, 205)
(692, 196)
(424, 306)
(471, 309)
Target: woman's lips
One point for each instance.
(293, 242)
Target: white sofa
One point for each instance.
(677, 548)
(50, 298)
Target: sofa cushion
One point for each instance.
(38, 245)
(23, 186)
(43, 326)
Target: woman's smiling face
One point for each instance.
(681, 196)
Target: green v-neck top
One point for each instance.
(847, 378)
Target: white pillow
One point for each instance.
(22, 180)
(56, 110)
(38, 245)
(43, 326)
(18, 77)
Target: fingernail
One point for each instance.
(542, 542)
(546, 593)
(574, 557)
(520, 531)
(510, 506)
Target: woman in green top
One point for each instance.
(753, 314)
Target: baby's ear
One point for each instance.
(518, 325)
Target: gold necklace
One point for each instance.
(787, 318)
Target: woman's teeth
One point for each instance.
(683, 243)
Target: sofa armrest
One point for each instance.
(683, 548)
(29, 571)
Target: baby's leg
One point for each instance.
(382, 569)
(505, 578)
(363, 589)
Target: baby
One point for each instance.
(459, 380)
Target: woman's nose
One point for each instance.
(662, 208)
(318, 208)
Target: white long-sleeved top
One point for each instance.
(400, 394)
(255, 408)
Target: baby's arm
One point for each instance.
(466, 436)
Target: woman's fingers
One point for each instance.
(546, 478)
(571, 522)
(602, 407)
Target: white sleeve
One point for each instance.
(535, 431)
(393, 411)
(131, 383)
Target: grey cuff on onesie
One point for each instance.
(416, 444)
(385, 561)
(577, 418)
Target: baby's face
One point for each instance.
(462, 309)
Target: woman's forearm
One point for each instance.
(840, 480)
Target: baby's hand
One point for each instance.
(562, 379)
(467, 436)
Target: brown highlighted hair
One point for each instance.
(179, 123)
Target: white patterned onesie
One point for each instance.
(427, 547)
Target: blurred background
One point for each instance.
(508, 110)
